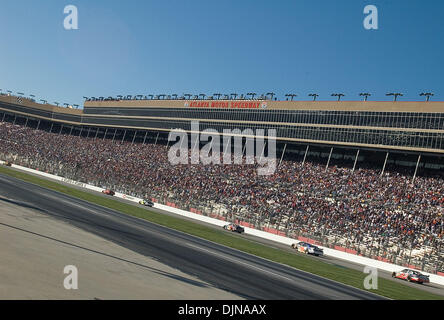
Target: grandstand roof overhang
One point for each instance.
(374, 106)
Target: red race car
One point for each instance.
(411, 276)
(108, 192)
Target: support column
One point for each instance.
(157, 137)
(70, 131)
(356, 160)
(245, 146)
(124, 134)
(305, 156)
(97, 132)
(416, 170)
(50, 130)
(135, 134)
(329, 157)
(26, 123)
(385, 162)
(228, 145)
(61, 128)
(144, 138)
(115, 131)
(263, 150)
(38, 125)
(282, 156)
(195, 144)
(181, 142)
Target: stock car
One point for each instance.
(308, 248)
(411, 276)
(146, 202)
(108, 192)
(234, 228)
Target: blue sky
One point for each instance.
(299, 46)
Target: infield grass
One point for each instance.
(387, 288)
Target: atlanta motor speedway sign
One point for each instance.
(227, 104)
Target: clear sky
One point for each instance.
(206, 46)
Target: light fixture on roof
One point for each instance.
(314, 95)
(395, 95)
(339, 95)
(291, 95)
(427, 95)
(271, 94)
(365, 95)
(252, 94)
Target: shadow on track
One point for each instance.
(154, 270)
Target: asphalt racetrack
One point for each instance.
(232, 271)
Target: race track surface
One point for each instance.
(239, 273)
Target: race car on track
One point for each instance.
(108, 192)
(234, 228)
(411, 276)
(308, 248)
(147, 203)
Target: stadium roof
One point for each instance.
(375, 106)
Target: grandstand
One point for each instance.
(362, 176)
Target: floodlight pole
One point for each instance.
(314, 95)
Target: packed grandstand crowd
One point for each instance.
(362, 208)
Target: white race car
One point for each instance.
(308, 248)
(147, 203)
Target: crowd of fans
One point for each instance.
(361, 207)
